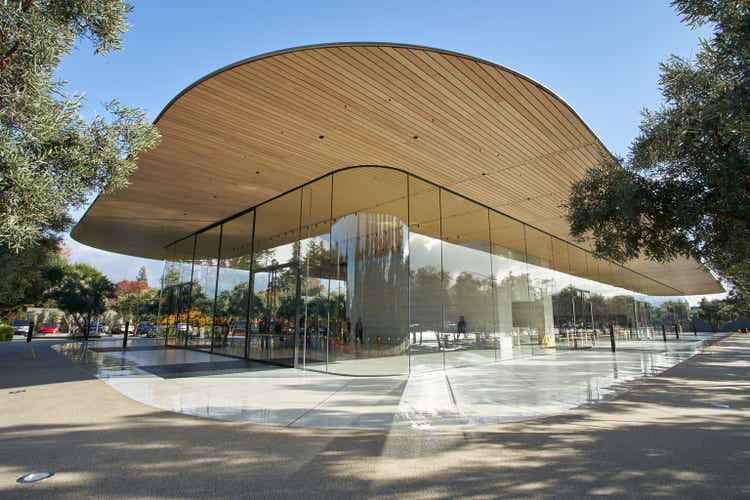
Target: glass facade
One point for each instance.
(372, 271)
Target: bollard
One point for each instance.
(663, 332)
(125, 337)
(612, 336)
(28, 339)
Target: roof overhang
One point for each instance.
(268, 124)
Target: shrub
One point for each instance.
(6, 333)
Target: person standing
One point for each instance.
(461, 327)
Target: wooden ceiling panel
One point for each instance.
(264, 126)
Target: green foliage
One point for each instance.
(710, 311)
(715, 312)
(26, 276)
(51, 159)
(82, 292)
(137, 307)
(685, 187)
(671, 311)
(6, 333)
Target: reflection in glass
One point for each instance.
(232, 292)
(467, 277)
(276, 288)
(369, 293)
(203, 293)
(176, 293)
(509, 273)
(316, 270)
(427, 295)
(370, 271)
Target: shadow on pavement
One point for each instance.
(682, 434)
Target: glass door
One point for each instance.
(273, 333)
(174, 319)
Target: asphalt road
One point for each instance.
(683, 434)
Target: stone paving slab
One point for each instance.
(681, 434)
(211, 386)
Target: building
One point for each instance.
(392, 208)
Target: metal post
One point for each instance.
(28, 339)
(125, 337)
(593, 330)
(575, 326)
(612, 336)
(663, 331)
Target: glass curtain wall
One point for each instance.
(230, 325)
(369, 245)
(427, 292)
(316, 272)
(203, 289)
(175, 301)
(509, 271)
(276, 282)
(371, 271)
(467, 279)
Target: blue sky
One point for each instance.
(602, 57)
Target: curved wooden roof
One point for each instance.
(268, 124)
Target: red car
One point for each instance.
(46, 329)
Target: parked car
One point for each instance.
(238, 329)
(20, 327)
(49, 329)
(145, 327)
(97, 328)
(120, 328)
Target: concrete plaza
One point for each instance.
(483, 392)
(681, 433)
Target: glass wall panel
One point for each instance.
(541, 281)
(232, 292)
(577, 292)
(177, 290)
(370, 271)
(316, 269)
(427, 295)
(510, 283)
(467, 277)
(167, 303)
(205, 265)
(370, 288)
(276, 286)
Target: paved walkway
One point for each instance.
(682, 434)
(201, 384)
